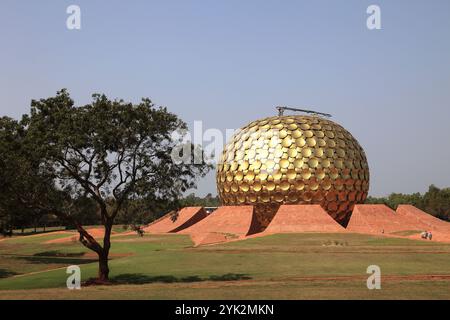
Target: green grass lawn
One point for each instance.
(285, 266)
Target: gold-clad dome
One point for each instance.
(296, 159)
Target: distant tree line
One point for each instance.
(193, 201)
(435, 201)
(135, 212)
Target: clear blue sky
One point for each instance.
(230, 62)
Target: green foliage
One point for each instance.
(90, 163)
(111, 150)
(25, 191)
(435, 201)
(193, 201)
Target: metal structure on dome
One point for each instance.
(281, 110)
(293, 159)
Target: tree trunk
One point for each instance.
(103, 269)
(103, 252)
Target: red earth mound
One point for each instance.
(225, 224)
(173, 222)
(302, 218)
(422, 219)
(425, 222)
(378, 219)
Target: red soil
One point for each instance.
(234, 223)
(224, 224)
(378, 218)
(172, 223)
(302, 218)
(425, 222)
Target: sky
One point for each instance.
(227, 63)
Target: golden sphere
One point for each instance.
(294, 159)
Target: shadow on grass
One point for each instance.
(138, 278)
(6, 273)
(32, 233)
(55, 260)
(56, 253)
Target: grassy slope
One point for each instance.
(278, 266)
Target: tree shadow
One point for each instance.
(56, 260)
(31, 232)
(56, 253)
(6, 273)
(139, 278)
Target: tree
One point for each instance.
(192, 200)
(111, 152)
(18, 174)
(437, 202)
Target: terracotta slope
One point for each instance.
(425, 222)
(378, 218)
(186, 217)
(225, 224)
(302, 218)
(421, 218)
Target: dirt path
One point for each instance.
(36, 272)
(43, 234)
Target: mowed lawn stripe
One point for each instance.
(284, 259)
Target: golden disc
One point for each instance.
(292, 153)
(278, 153)
(300, 142)
(291, 174)
(277, 175)
(252, 197)
(270, 186)
(311, 142)
(279, 197)
(270, 164)
(305, 126)
(306, 152)
(296, 134)
(239, 176)
(284, 185)
(313, 162)
(306, 174)
(299, 185)
(298, 163)
(244, 187)
(286, 142)
(257, 186)
(250, 176)
(284, 163)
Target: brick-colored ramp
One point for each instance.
(425, 222)
(225, 224)
(378, 218)
(302, 218)
(422, 219)
(172, 222)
